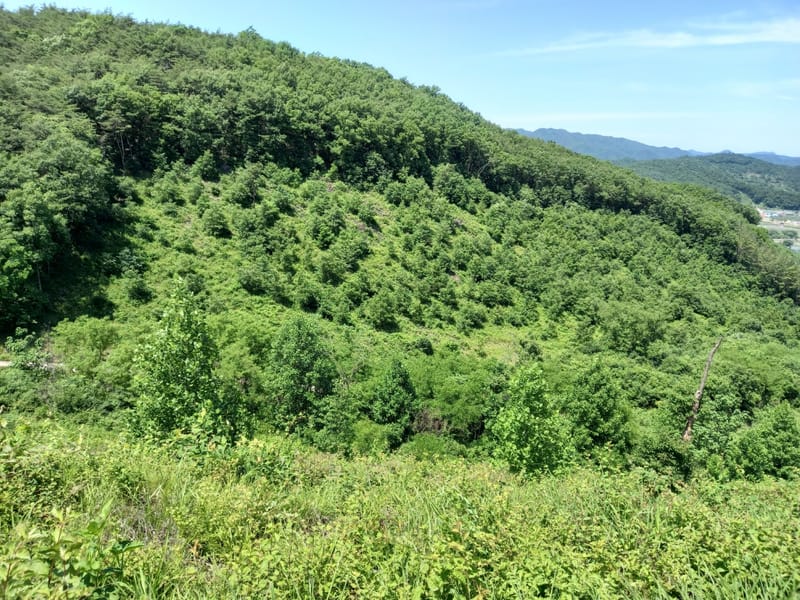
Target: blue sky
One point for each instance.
(708, 75)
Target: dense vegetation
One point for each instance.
(318, 313)
(747, 179)
(761, 178)
(270, 518)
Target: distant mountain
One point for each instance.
(606, 147)
(737, 175)
(776, 159)
(611, 148)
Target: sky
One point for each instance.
(706, 75)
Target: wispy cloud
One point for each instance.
(779, 31)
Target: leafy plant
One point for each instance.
(65, 561)
(529, 433)
(302, 375)
(770, 447)
(178, 388)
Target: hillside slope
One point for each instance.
(359, 261)
(282, 325)
(741, 177)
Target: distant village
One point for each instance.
(783, 226)
(789, 217)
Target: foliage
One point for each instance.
(744, 177)
(271, 516)
(531, 436)
(599, 411)
(770, 447)
(25, 383)
(392, 401)
(178, 388)
(373, 270)
(64, 562)
(330, 219)
(385, 276)
(302, 376)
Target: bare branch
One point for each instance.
(698, 395)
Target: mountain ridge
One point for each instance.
(605, 147)
(618, 148)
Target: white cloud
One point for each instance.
(780, 31)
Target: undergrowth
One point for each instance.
(273, 518)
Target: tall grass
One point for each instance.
(271, 518)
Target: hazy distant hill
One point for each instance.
(611, 148)
(606, 147)
(776, 159)
(740, 176)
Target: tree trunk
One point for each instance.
(698, 395)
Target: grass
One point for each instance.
(271, 518)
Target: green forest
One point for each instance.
(745, 178)
(280, 325)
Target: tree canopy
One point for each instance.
(370, 262)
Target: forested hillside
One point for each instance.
(742, 177)
(253, 298)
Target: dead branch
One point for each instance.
(698, 395)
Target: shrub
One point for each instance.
(178, 389)
(770, 447)
(393, 401)
(598, 410)
(302, 375)
(215, 223)
(380, 310)
(427, 445)
(371, 438)
(530, 435)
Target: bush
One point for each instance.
(770, 447)
(178, 389)
(371, 438)
(428, 445)
(380, 310)
(215, 222)
(302, 375)
(529, 433)
(599, 412)
(136, 288)
(412, 190)
(393, 401)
